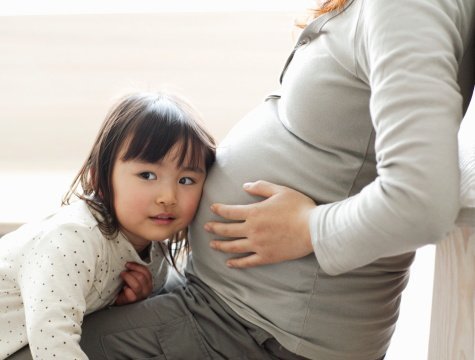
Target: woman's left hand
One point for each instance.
(273, 230)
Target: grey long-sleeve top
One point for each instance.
(365, 123)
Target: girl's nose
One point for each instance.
(167, 196)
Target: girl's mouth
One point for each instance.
(163, 219)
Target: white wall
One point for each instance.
(60, 74)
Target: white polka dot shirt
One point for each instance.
(54, 272)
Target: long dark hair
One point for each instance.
(151, 124)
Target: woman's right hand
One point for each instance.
(273, 230)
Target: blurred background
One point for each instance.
(63, 63)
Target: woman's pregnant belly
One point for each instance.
(261, 148)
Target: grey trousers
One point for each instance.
(190, 322)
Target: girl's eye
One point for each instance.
(186, 181)
(147, 175)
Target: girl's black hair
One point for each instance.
(150, 125)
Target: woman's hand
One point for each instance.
(273, 230)
(138, 284)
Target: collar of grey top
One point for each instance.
(311, 31)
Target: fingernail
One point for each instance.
(207, 227)
(213, 208)
(229, 264)
(212, 244)
(246, 185)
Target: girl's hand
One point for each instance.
(138, 284)
(273, 230)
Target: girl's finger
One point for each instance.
(140, 269)
(130, 295)
(126, 296)
(131, 281)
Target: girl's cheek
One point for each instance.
(195, 205)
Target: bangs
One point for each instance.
(163, 128)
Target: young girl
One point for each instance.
(138, 191)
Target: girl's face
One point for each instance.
(153, 201)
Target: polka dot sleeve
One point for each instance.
(54, 282)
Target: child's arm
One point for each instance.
(56, 276)
(138, 284)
